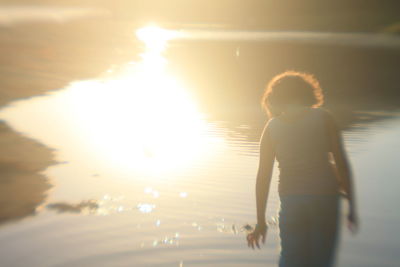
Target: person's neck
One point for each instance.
(295, 109)
(293, 112)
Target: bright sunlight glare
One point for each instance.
(155, 38)
(142, 119)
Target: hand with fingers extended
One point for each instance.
(259, 233)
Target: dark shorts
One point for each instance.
(308, 228)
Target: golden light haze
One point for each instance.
(142, 117)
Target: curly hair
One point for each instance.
(291, 87)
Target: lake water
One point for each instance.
(148, 178)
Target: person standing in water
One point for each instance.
(314, 172)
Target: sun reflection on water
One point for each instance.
(142, 118)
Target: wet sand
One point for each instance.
(37, 58)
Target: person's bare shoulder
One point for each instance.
(270, 124)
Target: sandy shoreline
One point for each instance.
(37, 58)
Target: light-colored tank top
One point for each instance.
(301, 149)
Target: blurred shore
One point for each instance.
(37, 58)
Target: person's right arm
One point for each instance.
(263, 180)
(343, 170)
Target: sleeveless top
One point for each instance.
(301, 149)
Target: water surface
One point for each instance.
(145, 171)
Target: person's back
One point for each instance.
(302, 151)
